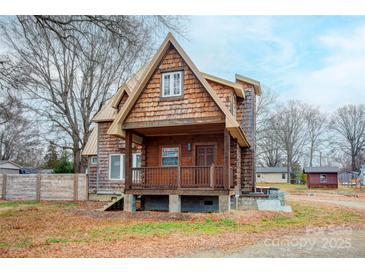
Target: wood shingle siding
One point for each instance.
(151, 107)
(246, 116)
(108, 144)
(92, 175)
(226, 94)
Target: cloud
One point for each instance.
(341, 79)
(226, 45)
(316, 59)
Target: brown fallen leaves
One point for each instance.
(59, 230)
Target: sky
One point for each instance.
(315, 59)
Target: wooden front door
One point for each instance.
(204, 159)
(204, 155)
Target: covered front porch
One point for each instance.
(180, 158)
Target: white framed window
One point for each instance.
(116, 167)
(170, 156)
(136, 160)
(323, 178)
(283, 176)
(94, 160)
(171, 84)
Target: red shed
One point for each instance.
(322, 177)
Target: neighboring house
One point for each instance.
(271, 174)
(9, 167)
(174, 137)
(322, 177)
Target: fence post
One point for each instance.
(5, 179)
(38, 187)
(212, 177)
(76, 186)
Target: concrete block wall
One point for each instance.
(65, 187)
(199, 204)
(21, 187)
(246, 203)
(52, 189)
(156, 202)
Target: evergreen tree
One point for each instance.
(64, 164)
(51, 158)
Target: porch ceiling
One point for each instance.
(180, 130)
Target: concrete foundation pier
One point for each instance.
(129, 203)
(174, 203)
(224, 203)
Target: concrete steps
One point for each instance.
(115, 204)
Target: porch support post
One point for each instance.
(212, 176)
(178, 176)
(128, 160)
(227, 162)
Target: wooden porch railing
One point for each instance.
(178, 177)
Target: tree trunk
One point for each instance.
(77, 158)
(288, 169)
(353, 161)
(311, 156)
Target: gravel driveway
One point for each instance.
(331, 242)
(328, 199)
(335, 244)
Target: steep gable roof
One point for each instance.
(255, 83)
(237, 88)
(231, 123)
(130, 85)
(90, 148)
(107, 112)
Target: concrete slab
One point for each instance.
(272, 205)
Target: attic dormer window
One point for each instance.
(171, 84)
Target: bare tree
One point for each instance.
(289, 128)
(264, 108)
(270, 152)
(316, 128)
(348, 126)
(8, 106)
(71, 64)
(268, 149)
(19, 137)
